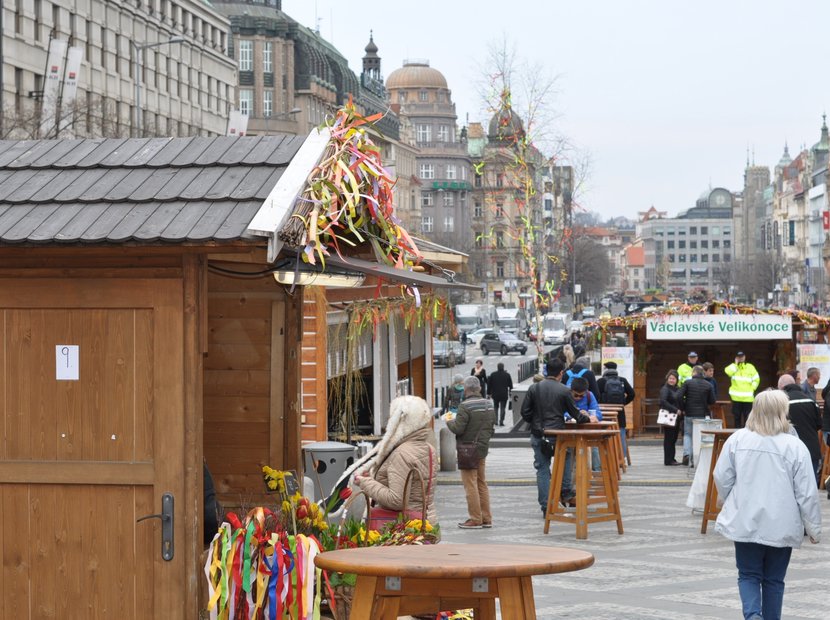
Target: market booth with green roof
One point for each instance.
(774, 341)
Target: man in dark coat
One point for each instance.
(695, 397)
(615, 389)
(499, 384)
(544, 408)
(804, 416)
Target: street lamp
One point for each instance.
(139, 48)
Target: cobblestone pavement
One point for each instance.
(661, 567)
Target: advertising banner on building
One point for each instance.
(70, 90)
(719, 327)
(237, 123)
(624, 357)
(52, 87)
(814, 356)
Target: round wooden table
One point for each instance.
(425, 579)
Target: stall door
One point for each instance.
(92, 438)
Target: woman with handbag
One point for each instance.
(404, 447)
(474, 425)
(668, 401)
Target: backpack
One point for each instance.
(572, 375)
(614, 391)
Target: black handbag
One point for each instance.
(467, 451)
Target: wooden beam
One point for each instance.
(195, 317)
(292, 406)
(277, 401)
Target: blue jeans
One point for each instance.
(687, 437)
(761, 571)
(542, 465)
(595, 464)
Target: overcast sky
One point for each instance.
(666, 96)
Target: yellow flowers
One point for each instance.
(415, 524)
(274, 479)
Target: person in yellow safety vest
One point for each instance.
(684, 371)
(745, 381)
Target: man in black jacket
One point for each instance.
(615, 389)
(545, 407)
(499, 384)
(804, 416)
(694, 397)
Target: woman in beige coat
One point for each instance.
(404, 446)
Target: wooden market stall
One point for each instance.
(143, 331)
(653, 358)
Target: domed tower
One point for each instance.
(421, 95)
(505, 127)
(371, 61)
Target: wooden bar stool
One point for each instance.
(581, 440)
(613, 416)
(710, 506)
(629, 426)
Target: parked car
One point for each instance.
(474, 337)
(443, 353)
(502, 342)
(460, 351)
(588, 312)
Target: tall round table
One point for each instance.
(426, 579)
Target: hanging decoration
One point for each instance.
(634, 321)
(348, 201)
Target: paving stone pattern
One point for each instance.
(661, 567)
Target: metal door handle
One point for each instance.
(167, 522)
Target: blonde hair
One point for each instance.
(568, 352)
(769, 413)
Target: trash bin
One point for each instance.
(447, 456)
(517, 397)
(325, 462)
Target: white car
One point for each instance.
(474, 337)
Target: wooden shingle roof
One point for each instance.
(146, 190)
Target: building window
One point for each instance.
(423, 133)
(479, 241)
(715, 258)
(499, 239)
(727, 258)
(692, 230)
(426, 224)
(704, 230)
(791, 232)
(715, 243)
(443, 133)
(402, 96)
(267, 103)
(499, 269)
(449, 199)
(246, 101)
(704, 258)
(499, 180)
(727, 243)
(268, 57)
(451, 170)
(463, 173)
(636, 272)
(477, 182)
(671, 258)
(704, 243)
(499, 209)
(462, 199)
(246, 55)
(427, 171)
(449, 223)
(693, 245)
(670, 245)
(477, 209)
(426, 199)
(727, 230)
(423, 96)
(681, 244)
(681, 258)
(692, 258)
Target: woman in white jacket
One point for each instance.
(765, 476)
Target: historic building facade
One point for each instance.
(420, 95)
(187, 81)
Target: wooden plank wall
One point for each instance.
(244, 366)
(314, 395)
